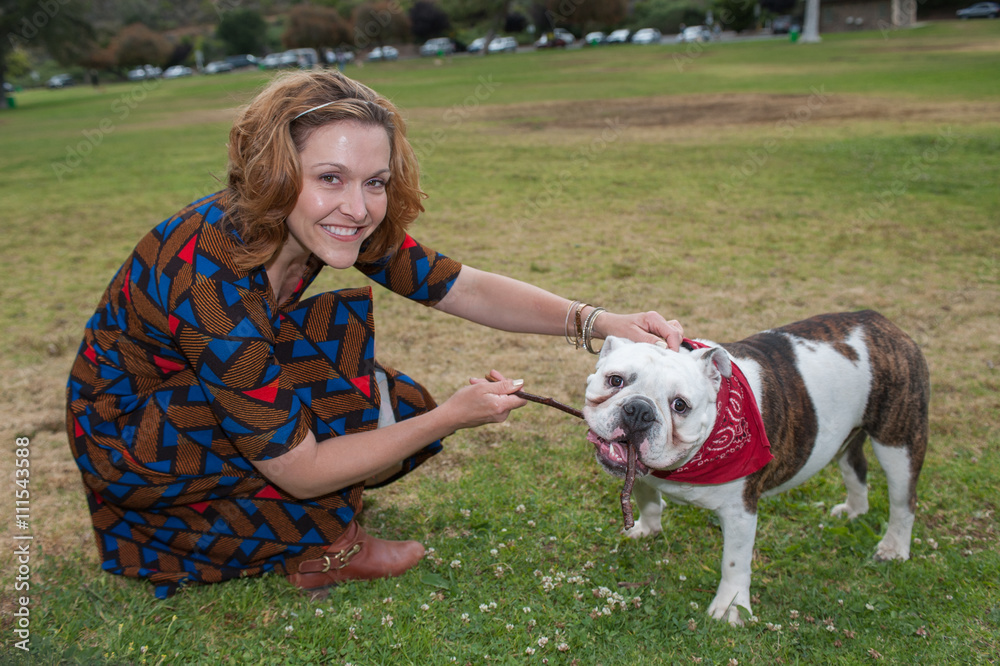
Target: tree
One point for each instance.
(736, 15)
(379, 23)
(314, 27)
(428, 20)
(137, 45)
(58, 26)
(551, 14)
(243, 31)
(668, 15)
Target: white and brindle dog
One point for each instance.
(822, 386)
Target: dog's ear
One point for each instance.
(610, 344)
(716, 364)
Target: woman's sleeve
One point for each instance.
(226, 331)
(415, 271)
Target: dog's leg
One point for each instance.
(647, 500)
(739, 529)
(854, 469)
(896, 463)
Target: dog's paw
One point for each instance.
(642, 530)
(850, 511)
(889, 549)
(729, 611)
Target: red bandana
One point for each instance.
(738, 445)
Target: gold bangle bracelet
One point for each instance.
(588, 329)
(569, 315)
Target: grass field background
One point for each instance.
(733, 186)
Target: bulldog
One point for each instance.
(721, 426)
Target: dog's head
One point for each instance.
(659, 401)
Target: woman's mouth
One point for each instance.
(345, 233)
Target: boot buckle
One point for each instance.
(343, 558)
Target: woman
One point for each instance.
(223, 426)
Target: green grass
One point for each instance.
(731, 225)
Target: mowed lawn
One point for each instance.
(734, 187)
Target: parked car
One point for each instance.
(279, 60)
(437, 46)
(782, 25)
(218, 67)
(594, 38)
(61, 81)
(695, 33)
(144, 72)
(502, 45)
(476, 45)
(304, 58)
(619, 36)
(647, 36)
(177, 71)
(558, 37)
(979, 10)
(8, 87)
(242, 61)
(383, 53)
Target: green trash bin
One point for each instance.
(793, 34)
(11, 102)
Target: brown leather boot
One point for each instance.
(356, 555)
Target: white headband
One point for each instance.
(315, 108)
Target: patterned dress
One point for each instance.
(189, 370)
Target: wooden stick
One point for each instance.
(549, 402)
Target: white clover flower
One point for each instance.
(519, 509)
(483, 608)
(794, 614)
(494, 552)
(465, 617)
(682, 578)
(387, 621)
(869, 607)
(456, 564)
(289, 629)
(526, 609)
(563, 647)
(831, 628)
(529, 650)
(509, 627)
(694, 605)
(424, 607)
(543, 641)
(143, 649)
(319, 612)
(532, 623)
(387, 600)
(531, 523)
(465, 513)
(552, 538)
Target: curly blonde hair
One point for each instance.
(265, 173)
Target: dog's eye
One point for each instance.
(615, 381)
(680, 406)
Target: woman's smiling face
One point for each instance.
(345, 170)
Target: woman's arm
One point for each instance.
(316, 468)
(511, 305)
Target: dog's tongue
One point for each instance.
(626, 495)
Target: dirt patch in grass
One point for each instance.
(717, 110)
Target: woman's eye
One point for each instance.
(329, 178)
(679, 406)
(615, 381)
(376, 183)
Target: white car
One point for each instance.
(476, 45)
(176, 72)
(502, 45)
(647, 36)
(383, 53)
(619, 36)
(437, 46)
(695, 33)
(595, 38)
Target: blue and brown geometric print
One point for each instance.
(188, 371)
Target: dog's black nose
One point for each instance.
(639, 414)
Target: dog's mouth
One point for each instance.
(613, 454)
